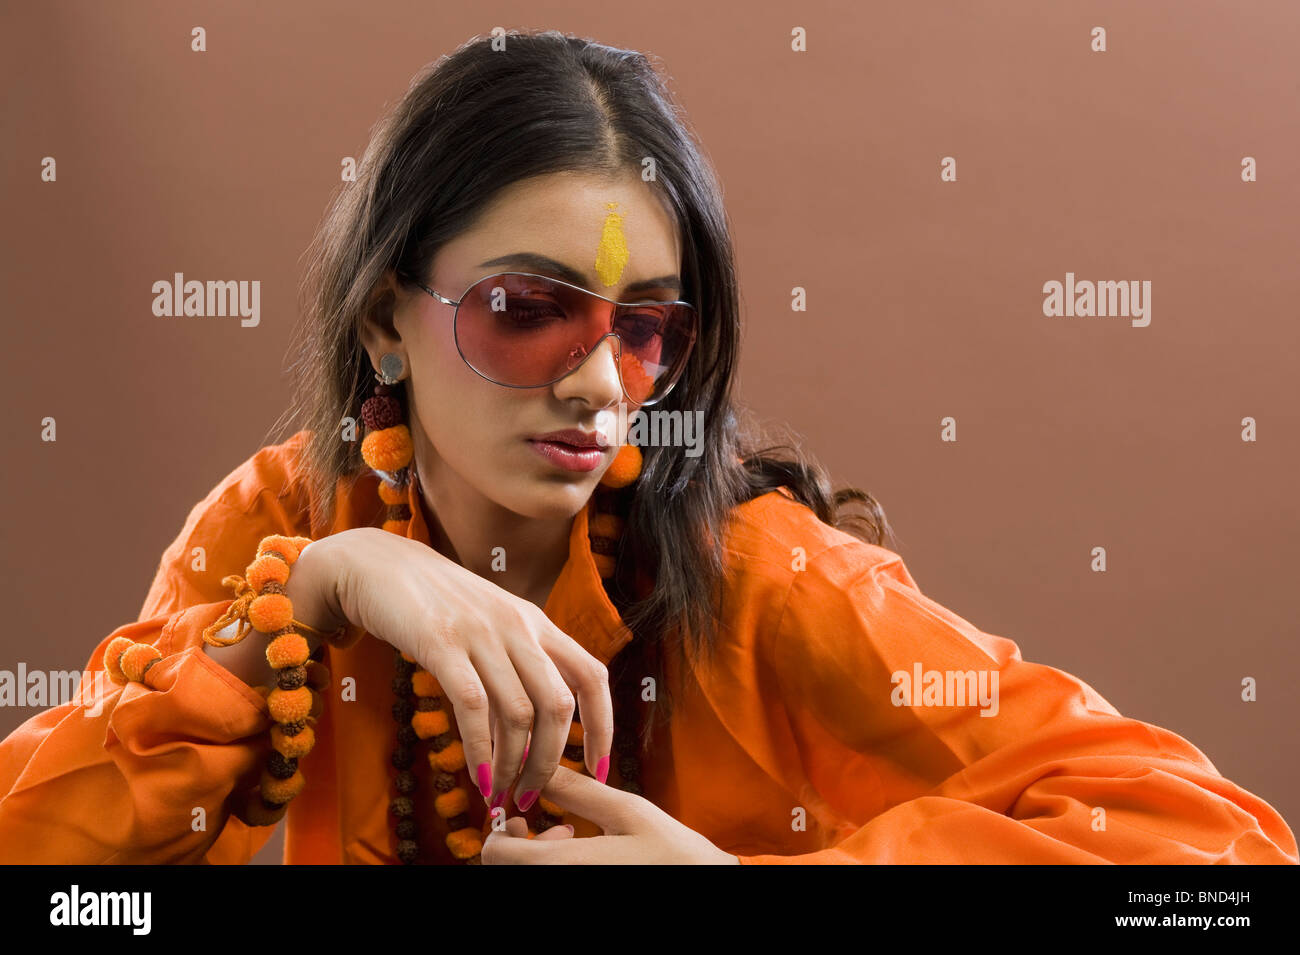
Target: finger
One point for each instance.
(564, 831)
(498, 850)
(517, 826)
(616, 812)
(512, 710)
(589, 679)
(469, 700)
(553, 704)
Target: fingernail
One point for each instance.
(525, 755)
(602, 769)
(569, 827)
(498, 799)
(485, 778)
(527, 799)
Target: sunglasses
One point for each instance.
(526, 331)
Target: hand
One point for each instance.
(502, 664)
(637, 832)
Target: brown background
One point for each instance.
(924, 299)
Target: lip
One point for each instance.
(571, 449)
(575, 437)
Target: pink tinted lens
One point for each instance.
(528, 331)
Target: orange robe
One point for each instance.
(789, 748)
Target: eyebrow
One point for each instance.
(544, 264)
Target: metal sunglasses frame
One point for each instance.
(695, 330)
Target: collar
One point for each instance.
(578, 603)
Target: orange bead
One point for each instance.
(625, 468)
(289, 706)
(265, 569)
(388, 449)
(136, 659)
(429, 723)
(396, 527)
(464, 843)
(575, 733)
(391, 493)
(450, 759)
(555, 809)
(573, 764)
(113, 658)
(288, 650)
(424, 683)
(293, 747)
(286, 546)
(282, 790)
(452, 803)
(270, 613)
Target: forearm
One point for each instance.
(311, 590)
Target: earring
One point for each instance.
(625, 468)
(387, 447)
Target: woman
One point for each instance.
(668, 642)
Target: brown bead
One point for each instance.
(403, 710)
(407, 736)
(408, 851)
(426, 704)
(403, 667)
(381, 411)
(290, 678)
(573, 752)
(458, 822)
(401, 686)
(402, 806)
(403, 757)
(441, 741)
(294, 728)
(406, 782)
(444, 782)
(628, 767)
(280, 766)
(406, 828)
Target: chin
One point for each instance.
(552, 500)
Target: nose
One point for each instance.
(594, 377)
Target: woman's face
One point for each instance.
(470, 433)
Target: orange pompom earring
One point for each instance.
(625, 469)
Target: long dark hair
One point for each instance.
(474, 121)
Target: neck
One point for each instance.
(522, 555)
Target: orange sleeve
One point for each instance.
(116, 774)
(1054, 774)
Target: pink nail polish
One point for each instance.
(569, 827)
(485, 778)
(527, 799)
(602, 769)
(525, 759)
(498, 799)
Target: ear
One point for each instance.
(378, 330)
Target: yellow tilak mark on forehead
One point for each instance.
(612, 254)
